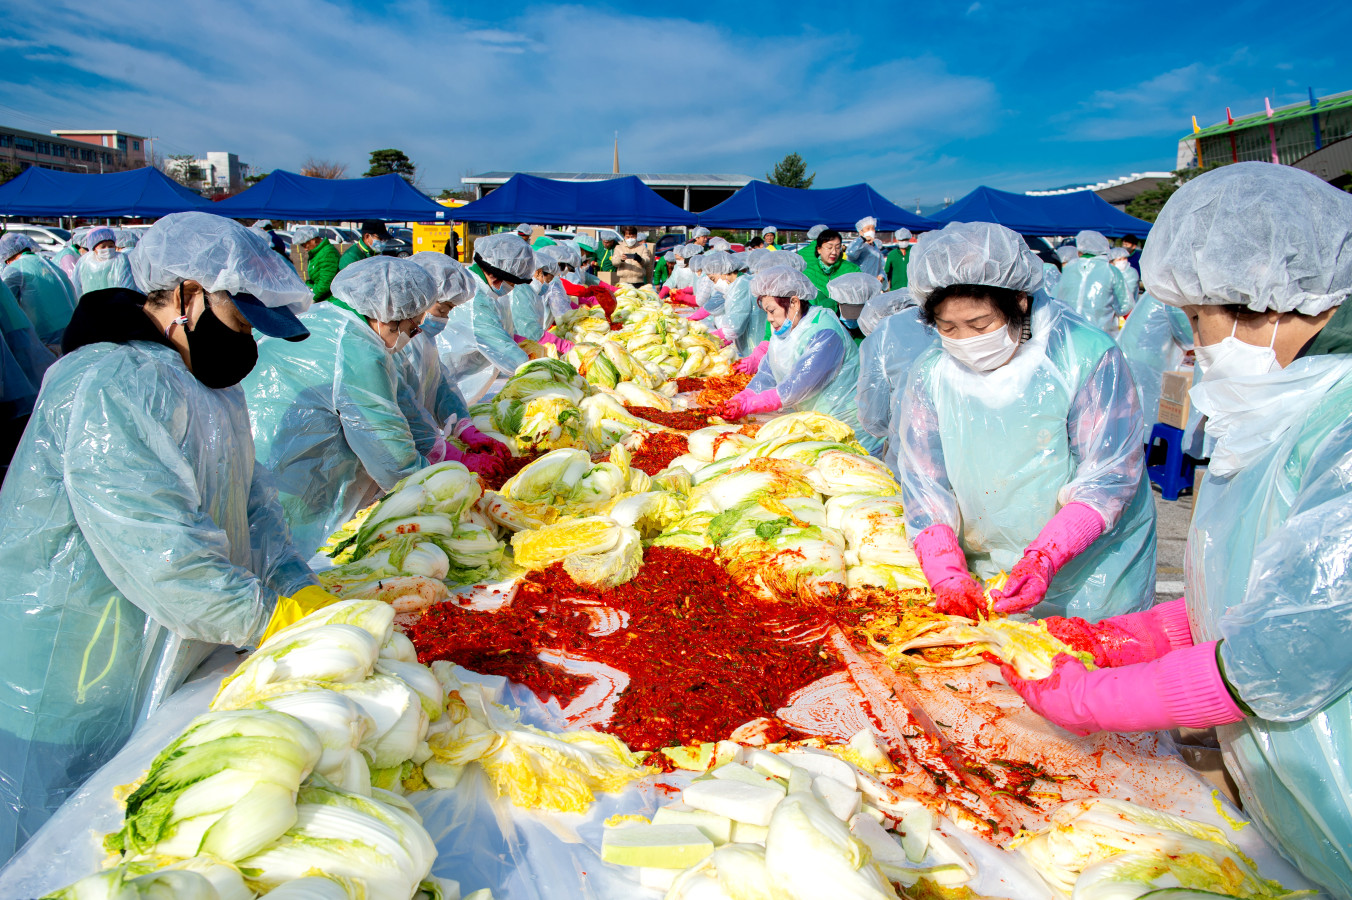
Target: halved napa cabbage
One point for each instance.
(594, 550)
(812, 425)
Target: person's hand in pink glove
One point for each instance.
(664, 293)
(477, 440)
(1066, 536)
(563, 344)
(721, 336)
(749, 402)
(956, 593)
(698, 315)
(1182, 688)
(483, 463)
(1126, 640)
(683, 297)
(749, 365)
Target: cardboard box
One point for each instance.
(1174, 402)
(607, 277)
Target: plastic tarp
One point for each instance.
(760, 204)
(1058, 214)
(141, 193)
(294, 198)
(615, 201)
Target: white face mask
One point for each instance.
(502, 288)
(984, 352)
(867, 236)
(631, 242)
(105, 253)
(400, 342)
(1232, 358)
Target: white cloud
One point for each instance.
(543, 90)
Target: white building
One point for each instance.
(222, 172)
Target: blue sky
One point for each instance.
(921, 100)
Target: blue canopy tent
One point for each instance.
(760, 204)
(293, 198)
(139, 193)
(1056, 214)
(615, 201)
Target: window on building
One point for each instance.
(86, 155)
(108, 159)
(59, 150)
(6, 140)
(122, 142)
(23, 143)
(136, 145)
(45, 148)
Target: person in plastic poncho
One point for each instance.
(102, 266)
(427, 393)
(39, 286)
(529, 314)
(138, 531)
(747, 315)
(24, 361)
(895, 336)
(812, 363)
(1155, 339)
(478, 345)
(1260, 258)
(1023, 450)
(1118, 258)
(1091, 286)
(717, 281)
(850, 290)
(866, 251)
(326, 415)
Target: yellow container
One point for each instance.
(434, 235)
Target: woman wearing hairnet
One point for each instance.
(478, 345)
(1120, 259)
(1023, 449)
(1091, 286)
(747, 316)
(39, 286)
(102, 267)
(327, 420)
(1154, 340)
(138, 531)
(682, 277)
(530, 316)
(1260, 258)
(866, 251)
(895, 336)
(853, 289)
(812, 362)
(715, 283)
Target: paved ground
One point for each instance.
(1172, 528)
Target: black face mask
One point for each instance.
(221, 357)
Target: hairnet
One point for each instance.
(759, 259)
(718, 262)
(853, 287)
(567, 254)
(451, 281)
(126, 239)
(1118, 253)
(99, 235)
(524, 229)
(866, 223)
(719, 243)
(642, 236)
(1067, 253)
(689, 251)
(218, 253)
(697, 264)
(739, 261)
(507, 252)
(901, 234)
(769, 229)
(972, 253)
(385, 288)
(780, 258)
(669, 256)
(782, 281)
(1092, 243)
(1255, 234)
(304, 233)
(608, 234)
(13, 244)
(880, 306)
(814, 231)
(585, 242)
(700, 231)
(547, 260)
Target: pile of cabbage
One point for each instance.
(593, 517)
(547, 405)
(799, 512)
(425, 535)
(790, 821)
(651, 334)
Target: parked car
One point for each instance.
(560, 235)
(48, 237)
(669, 241)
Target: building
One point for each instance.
(221, 172)
(1283, 135)
(694, 193)
(129, 150)
(69, 154)
(1118, 191)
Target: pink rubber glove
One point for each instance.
(1125, 640)
(684, 297)
(956, 593)
(445, 451)
(749, 402)
(1182, 688)
(563, 344)
(721, 336)
(477, 440)
(664, 293)
(749, 365)
(1066, 536)
(698, 315)
(483, 463)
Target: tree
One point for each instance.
(462, 194)
(251, 180)
(323, 168)
(9, 171)
(184, 169)
(1147, 204)
(391, 162)
(791, 171)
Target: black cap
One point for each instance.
(274, 321)
(376, 227)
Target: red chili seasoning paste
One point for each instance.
(699, 654)
(658, 450)
(687, 420)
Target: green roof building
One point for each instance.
(1291, 133)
